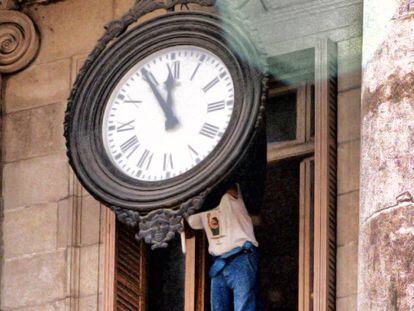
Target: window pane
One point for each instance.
(166, 278)
(281, 118)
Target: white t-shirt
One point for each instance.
(227, 226)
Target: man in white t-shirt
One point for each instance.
(234, 273)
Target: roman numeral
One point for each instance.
(215, 106)
(192, 150)
(168, 162)
(150, 76)
(193, 153)
(145, 155)
(135, 102)
(175, 69)
(132, 101)
(149, 161)
(195, 71)
(128, 126)
(201, 60)
(211, 84)
(209, 130)
(223, 74)
(131, 144)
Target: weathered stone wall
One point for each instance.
(386, 278)
(52, 240)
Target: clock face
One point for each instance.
(168, 113)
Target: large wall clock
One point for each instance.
(162, 114)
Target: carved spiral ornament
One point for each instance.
(19, 41)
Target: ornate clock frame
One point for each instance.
(157, 209)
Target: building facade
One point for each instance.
(58, 244)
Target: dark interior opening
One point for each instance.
(281, 117)
(166, 271)
(278, 236)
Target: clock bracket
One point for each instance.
(160, 226)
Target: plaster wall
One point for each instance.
(52, 235)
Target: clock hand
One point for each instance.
(169, 85)
(171, 120)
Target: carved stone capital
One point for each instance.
(19, 41)
(159, 227)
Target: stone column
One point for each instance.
(386, 240)
(19, 44)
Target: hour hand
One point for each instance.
(171, 120)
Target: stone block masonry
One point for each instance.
(51, 231)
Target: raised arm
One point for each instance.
(195, 222)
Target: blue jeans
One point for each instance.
(236, 286)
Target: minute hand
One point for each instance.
(169, 85)
(170, 119)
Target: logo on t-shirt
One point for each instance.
(214, 224)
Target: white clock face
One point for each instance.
(168, 113)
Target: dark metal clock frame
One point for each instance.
(157, 208)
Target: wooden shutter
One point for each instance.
(306, 229)
(325, 174)
(196, 271)
(130, 276)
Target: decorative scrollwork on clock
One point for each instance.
(159, 227)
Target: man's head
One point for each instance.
(233, 191)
